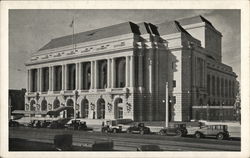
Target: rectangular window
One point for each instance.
(34, 80)
(208, 85)
(173, 100)
(174, 83)
(120, 112)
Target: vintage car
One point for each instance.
(174, 129)
(112, 126)
(60, 123)
(45, 124)
(35, 124)
(219, 131)
(76, 124)
(139, 128)
(13, 123)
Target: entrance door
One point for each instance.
(101, 109)
(118, 110)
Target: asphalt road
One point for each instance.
(127, 142)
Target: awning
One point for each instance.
(58, 110)
(29, 112)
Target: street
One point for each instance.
(127, 142)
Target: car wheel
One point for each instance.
(162, 133)
(128, 131)
(114, 130)
(197, 135)
(220, 136)
(178, 133)
(141, 132)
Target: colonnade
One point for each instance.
(36, 80)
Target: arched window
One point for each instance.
(56, 104)
(70, 112)
(44, 105)
(32, 105)
(84, 108)
(120, 73)
(101, 109)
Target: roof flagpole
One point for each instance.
(72, 25)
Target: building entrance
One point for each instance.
(101, 109)
(70, 112)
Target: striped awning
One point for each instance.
(29, 112)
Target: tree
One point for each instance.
(237, 104)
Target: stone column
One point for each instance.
(150, 69)
(96, 75)
(140, 70)
(66, 77)
(113, 73)
(40, 79)
(108, 73)
(92, 75)
(77, 76)
(80, 76)
(52, 78)
(132, 71)
(63, 77)
(28, 80)
(127, 71)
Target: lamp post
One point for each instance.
(166, 105)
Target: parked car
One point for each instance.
(45, 124)
(111, 126)
(148, 148)
(219, 131)
(174, 129)
(77, 125)
(58, 123)
(13, 123)
(138, 128)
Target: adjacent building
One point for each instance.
(125, 70)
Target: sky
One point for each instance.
(29, 30)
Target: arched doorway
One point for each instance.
(56, 104)
(85, 108)
(32, 105)
(70, 112)
(118, 108)
(44, 105)
(101, 109)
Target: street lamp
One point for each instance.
(166, 122)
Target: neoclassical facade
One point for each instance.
(121, 71)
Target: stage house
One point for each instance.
(133, 71)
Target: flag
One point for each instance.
(71, 24)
